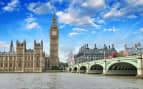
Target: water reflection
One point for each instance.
(67, 81)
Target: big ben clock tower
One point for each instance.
(54, 37)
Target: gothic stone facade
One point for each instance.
(23, 60)
(31, 60)
(54, 37)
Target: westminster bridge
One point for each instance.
(129, 65)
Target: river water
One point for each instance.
(67, 81)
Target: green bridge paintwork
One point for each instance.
(133, 63)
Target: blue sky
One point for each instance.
(79, 21)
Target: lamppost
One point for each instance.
(104, 54)
(139, 51)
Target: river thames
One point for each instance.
(67, 81)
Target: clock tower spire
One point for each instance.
(54, 38)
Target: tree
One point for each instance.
(63, 65)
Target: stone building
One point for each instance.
(129, 51)
(23, 59)
(87, 54)
(70, 59)
(31, 60)
(54, 41)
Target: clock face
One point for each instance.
(53, 33)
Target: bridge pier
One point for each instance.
(78, 69)
(104, 68)
(140, 66)
(87, 68)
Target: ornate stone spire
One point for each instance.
(54, 37)
(54, 17)
(95, 46)
(11, 46)
(113, 46)
(125, 46)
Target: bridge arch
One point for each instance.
(74, 69)
(70, 69)
(122, 68)
(82, 69)
(96, 68)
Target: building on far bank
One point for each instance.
(22, 60)
(32, 60)
(87, 54)
(70, 59)
(132, 50)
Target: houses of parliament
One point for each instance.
(31, 60)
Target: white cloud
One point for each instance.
(11, 5)
(64, 51)
(76, 49)
(141, 29)
(126, 9)
(135, 32)
(135, 2)
(93, 32)
(79, 29)
(30, 19)
(40, 8)
(114, 12)
(62, 26)
(73, 34)
(81, 13)
(60, 1)
(68, 18)
(101, 21)
(63, 54)
(93, 3)
(65, 17)
(132, 16)
(111, 29)
(3, 45)
(31, 23)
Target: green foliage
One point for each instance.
(55, 68)
(63, 64)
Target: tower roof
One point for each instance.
(11, 44)
(54, 17)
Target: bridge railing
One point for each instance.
(116, 58)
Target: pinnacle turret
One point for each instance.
(11, 46)
(54, 17)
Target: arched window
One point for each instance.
(6, 61)
(25, 61)
(37, 61)
(19, 62)
(10, 62)
(1, 61)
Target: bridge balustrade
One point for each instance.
(130, 65)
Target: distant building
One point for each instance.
(23, 60)
(87, 54)
(70, 59)
(54, 43)
(132, 50)
(32, 60)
